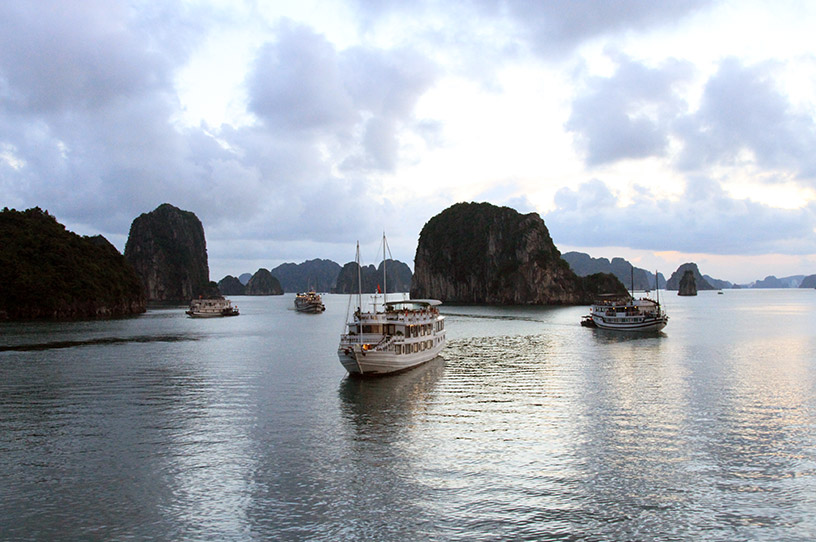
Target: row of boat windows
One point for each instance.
(626, 320)
(414, 347)
(417, 330)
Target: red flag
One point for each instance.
(378, 289)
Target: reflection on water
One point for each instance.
(528, 427)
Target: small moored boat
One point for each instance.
(309, 302)
(211, 308)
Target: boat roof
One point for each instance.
(420, 302)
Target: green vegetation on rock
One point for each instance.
(49, 272)
(482, 253)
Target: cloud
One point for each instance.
(742, 110)
(704, 219)
(59, 57)
(555, 28)
(356, 100)
(297, 85)
(630, 114)
(91, 110)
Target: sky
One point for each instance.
(661, 132)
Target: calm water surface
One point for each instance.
(529, 427)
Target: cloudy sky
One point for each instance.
(662, 132)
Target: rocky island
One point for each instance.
(481, 253)
(263, 283)
(49, 272)
(700, 282)
(688, 285)
(168, 250)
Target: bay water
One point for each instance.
(528, 427)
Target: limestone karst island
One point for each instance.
(470, 253)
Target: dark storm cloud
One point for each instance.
(628, 115)
(704, 219)
(742, 109)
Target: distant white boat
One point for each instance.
(309, 302)
(211, 308)
(396, 336)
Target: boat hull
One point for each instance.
(654, 324)
(359, 362)
(310, 309)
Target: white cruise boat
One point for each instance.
(393, 337)
(211, 308)
(625, 313)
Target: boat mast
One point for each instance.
(385, 283)
(657, 288)
(359, 280)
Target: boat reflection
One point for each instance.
(607, 336)
(386, 401)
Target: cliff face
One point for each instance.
(688, 285)
(480, 253)
(168, 250)
(674, 281)
(49, 272)
(808, 282)
(263, 283)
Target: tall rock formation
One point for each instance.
(263, 283)
(481, 253)
(47, 271)
(688, 286)
(674, 281)
(168, 250)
